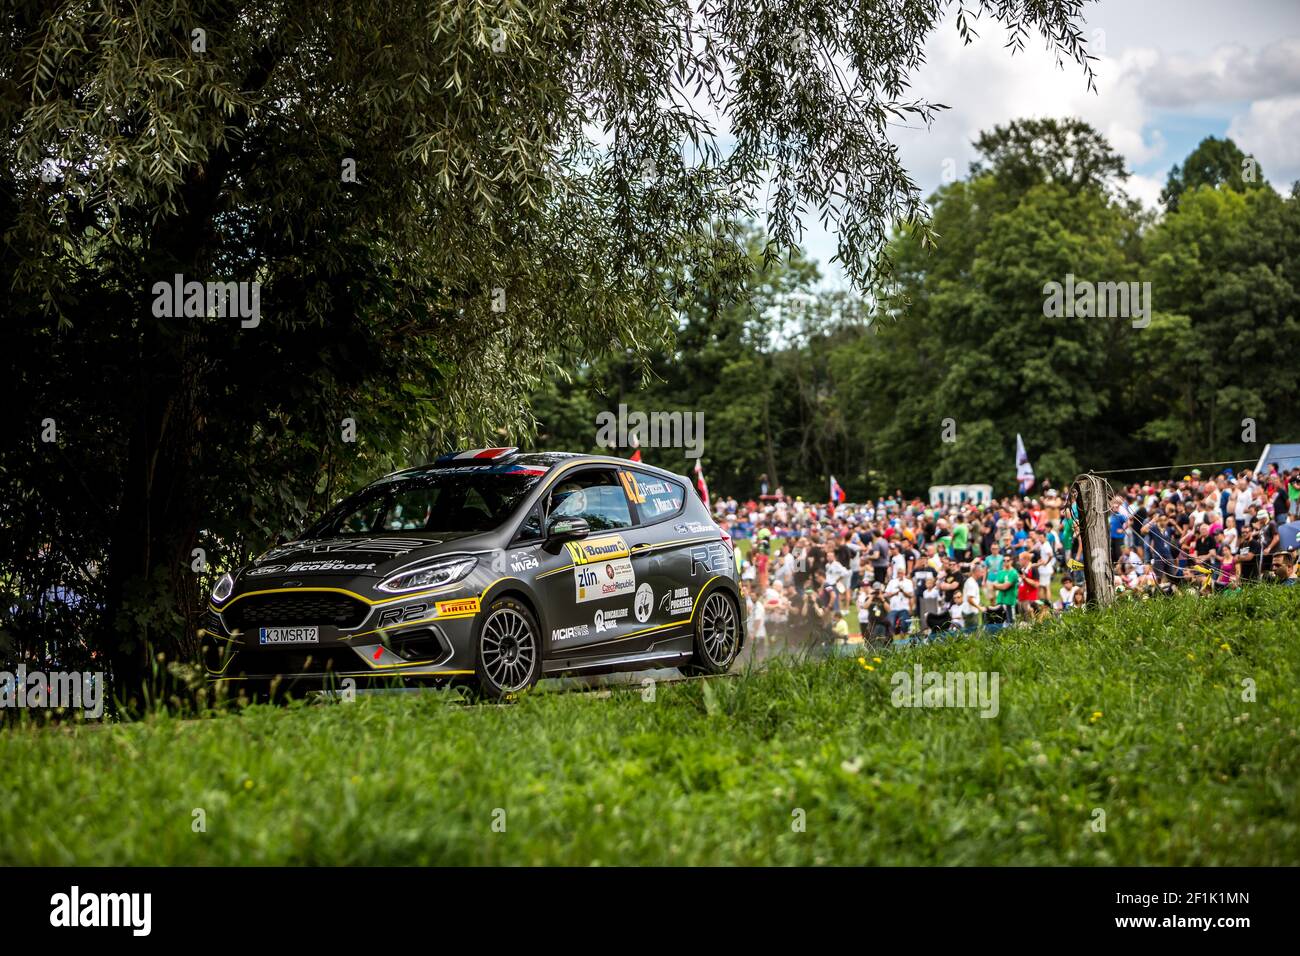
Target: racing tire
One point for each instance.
(717, 635)
(507, 650)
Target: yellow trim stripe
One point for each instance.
(639, 550)
(360, 597)
(660, 627)
(394, 627)
(217, 680)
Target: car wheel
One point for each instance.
(717, 635)
(508, 659)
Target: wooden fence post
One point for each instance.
(1098, 573)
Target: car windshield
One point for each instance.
(467, 501)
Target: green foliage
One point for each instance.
(1214, 162)
(973, 344)
(961, 335)
(537, 182)
(1030, 152)
(1228, 263)
(1137, 711)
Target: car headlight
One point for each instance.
(429, 576)
(223, 588)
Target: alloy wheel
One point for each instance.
(509, 649)
(719, 629)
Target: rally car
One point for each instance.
(493, 567)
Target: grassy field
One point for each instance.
(1137, 714)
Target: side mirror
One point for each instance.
(567, 529)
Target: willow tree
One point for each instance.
(440, 203)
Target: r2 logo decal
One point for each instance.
(395, 615)
(712, 558)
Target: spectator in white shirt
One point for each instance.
(899, 593)
(837, 575)
(971, 603)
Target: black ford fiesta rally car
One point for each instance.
(491, 566)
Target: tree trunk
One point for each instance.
(150, 594)
(769, 450)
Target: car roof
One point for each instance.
(516, 460)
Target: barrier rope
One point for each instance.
(1194, 464)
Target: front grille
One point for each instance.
(285, 610)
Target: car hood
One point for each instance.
(374, 556)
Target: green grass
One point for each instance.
(714, 772)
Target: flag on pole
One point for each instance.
(701, 484)
(1024, 470)
(837, 493)
(636, 446)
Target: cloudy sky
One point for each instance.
(1169, 73)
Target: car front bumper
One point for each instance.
(424, 636)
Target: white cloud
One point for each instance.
(1145, 189)
(985, 87)
(1165, 70)
(1270, 131)
(1229, 73)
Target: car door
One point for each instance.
(671, 552)
(590, 589)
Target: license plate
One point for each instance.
(288, 635)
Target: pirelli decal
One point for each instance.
(631, 488)
(598, 549)
(461, 607)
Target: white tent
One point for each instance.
(960, 494)
(1284, 456)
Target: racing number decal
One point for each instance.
(631, 488)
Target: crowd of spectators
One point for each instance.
(903, 567)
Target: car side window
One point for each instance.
(531, 529)
(597, 497)
(657, 497)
